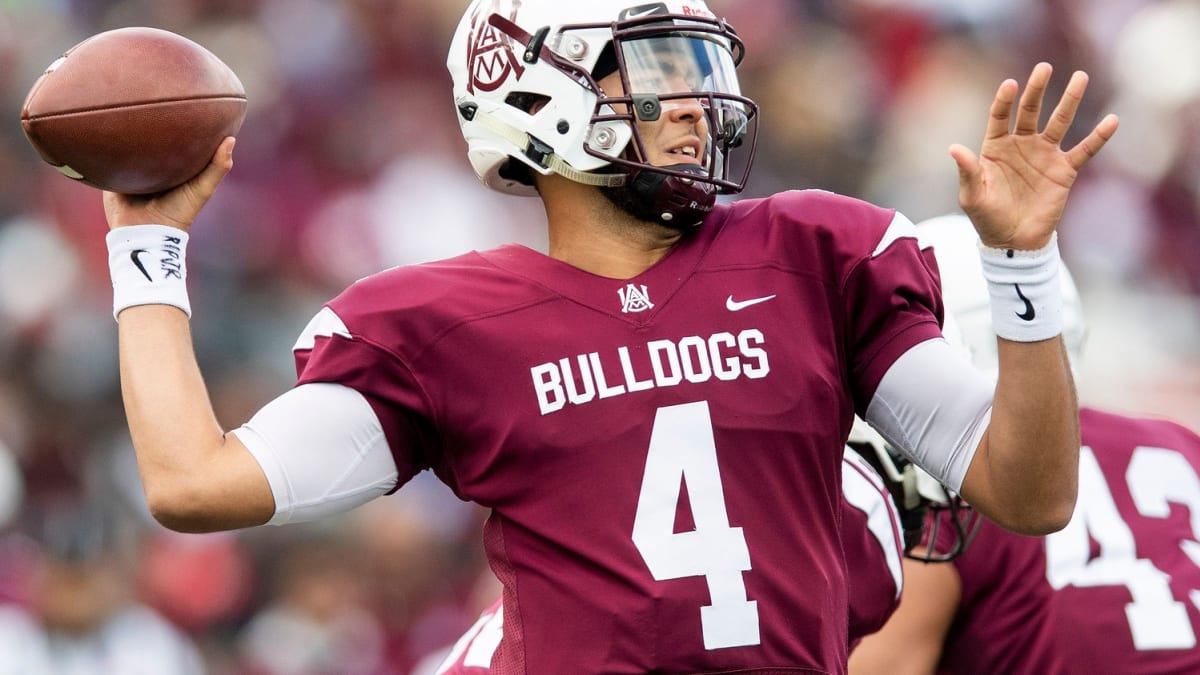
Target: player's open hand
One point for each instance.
(177, 207)
(1015, 191)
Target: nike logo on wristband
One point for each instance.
(1029, 314)
(133, 255)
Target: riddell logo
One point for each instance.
(490, 54)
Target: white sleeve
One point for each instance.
(322, 449)
(934, 406)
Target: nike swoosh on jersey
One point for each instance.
(738, 305)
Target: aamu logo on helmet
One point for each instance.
(490, 53)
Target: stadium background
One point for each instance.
(350, 161)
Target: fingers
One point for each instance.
(1064, 114)
(1030, 109)
(1001, 112)
(177, 207)
(1090, 146)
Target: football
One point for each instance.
(133, 110)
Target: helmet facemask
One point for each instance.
(942, 546)
(673, 72)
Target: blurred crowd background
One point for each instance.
(350, 161)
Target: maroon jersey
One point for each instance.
(662, 454)
(872, 539)
(1116, 591)
(1127, 567)
(1005, 620)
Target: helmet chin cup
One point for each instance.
(668, 199)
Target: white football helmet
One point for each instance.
(919, 497)
(526, 91)
(965, 292)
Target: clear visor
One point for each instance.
(682, 68)
(679, 64)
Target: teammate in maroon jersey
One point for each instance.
(1115, 591)
(655, 410)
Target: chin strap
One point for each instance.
(669, 199)
(544, 156)
(650, 195)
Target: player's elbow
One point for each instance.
(1039, 525)
(221, 488)
(179, 507)
(1054, 503)
(1056, 514)
(1043, 515)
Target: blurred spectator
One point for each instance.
(316, 620)
(82, 617)
(12, 486)
(422, 560)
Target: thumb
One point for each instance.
(204, 185)
(968, 163)
(968, 172)
(181, 205)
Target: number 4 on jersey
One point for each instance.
(683, 451)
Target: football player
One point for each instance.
(1114, 592)
(655, 408)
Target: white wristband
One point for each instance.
(1026, 298)
(147, 267)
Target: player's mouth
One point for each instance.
(686, 152)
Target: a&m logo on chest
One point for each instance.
(635, 299)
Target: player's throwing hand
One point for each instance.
(177, 207)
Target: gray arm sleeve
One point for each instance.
(934, 406)
(323, 451)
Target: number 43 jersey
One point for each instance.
(1126, 569)
(661, 454)
(1116, 590)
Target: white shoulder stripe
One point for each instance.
(900, 228)
(325, 324)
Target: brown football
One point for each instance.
(133, 110)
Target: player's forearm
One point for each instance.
(1030, 453)
(912, 640)
(195, 480)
